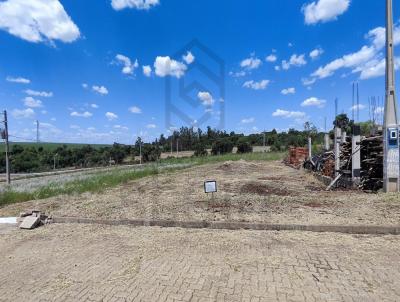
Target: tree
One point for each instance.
(222, 146)
(150, 153)
(200, 150)
(243, 146)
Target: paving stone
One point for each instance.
(29, 222)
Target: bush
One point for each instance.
(244, 147)
(200, 150)
(150, 153)
(222, 146)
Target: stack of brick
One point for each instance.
(297, 156)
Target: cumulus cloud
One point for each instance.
(151, 126)
(189, 58)
(136, 4)
(24, 113)
(94, 106)
(19, 80)
(128, 66)
(357, 107)
(313, 101)
(288, 114)
(251, 63)
(316, 53)
(165, 66)
(248, 120)
(368, 61)
(147, 70)
(135, 109)
(324, 10)
(37, 21)
(111, 116)
(261, 85)
(32, 103)
(206, 98)
(287, 91)
(39, 93)
(100, 89)
(295, 60)
(271, 58)
(85, 114)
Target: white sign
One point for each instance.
(210, 186)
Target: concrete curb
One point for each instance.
(346, 229)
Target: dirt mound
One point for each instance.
(263, 190)
(226, 166)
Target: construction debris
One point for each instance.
(371, 150)
(32, 219)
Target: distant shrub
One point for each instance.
(222, 146)
(150, 153)
(244, 147)
(200, 150)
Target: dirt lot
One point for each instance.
(99, 263)
(247, 191)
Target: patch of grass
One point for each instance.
(100, 182)
(269, 156)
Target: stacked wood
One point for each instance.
(372, 163)
(346, 157)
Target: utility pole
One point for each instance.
(177, 147)
(390, 126)
(264, 140)
(37, 132)
(140, 150)
(8, 177)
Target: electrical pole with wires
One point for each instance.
(4, 135)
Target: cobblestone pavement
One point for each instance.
(109, 263)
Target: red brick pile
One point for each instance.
(296, 157)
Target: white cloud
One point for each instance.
(129, 67)
(313, 101)
(24, 113)
(100, 89)
(206, 98)
(94, 106)
(165, 66)
(151, 126)
(316, 53)
(37, 21)
(39, 93)
(237, 74)
(85, 114)
(248, 120)
(288, 114)
(261, 85)
(189, 58)
(359, 107)
(136, 4)
(271, 58)
(251, 63)
(287, 91)
(324, 10)
(119, 127)
(368, 61)
(135, 109)
(147, 70)
(32, 103)
(19, 80)
(85, 86)
(295, 60)
(308, 82)
(111, 116)
(277, 68)
(347, 61)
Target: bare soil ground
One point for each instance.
(267, 192)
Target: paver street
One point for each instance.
(97, 263)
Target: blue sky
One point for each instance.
(95, 71)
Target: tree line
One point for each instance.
(27, 159)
